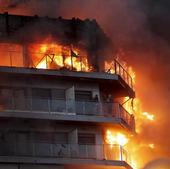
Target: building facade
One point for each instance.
(57, 118)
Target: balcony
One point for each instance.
(17, 60)
(66, 153)
(69, 110)
(117, 68)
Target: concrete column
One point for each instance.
(70, 100)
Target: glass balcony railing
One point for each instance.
(68, 107)
(77, 151)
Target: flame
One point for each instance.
(148, 116)
(134, 145)
(50, 55)
(151, 145)
(116, 142)
(116, 138)
(137, 145)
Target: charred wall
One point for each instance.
(85, 34)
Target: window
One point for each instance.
(48, 100)
(58, 103)
(85, 138)
(41, 99)
(13, 98)
(83, 95)
(11, 55)
(41, 93)
(16, 54)
(43, 137)
(51, 137)
(59, 94)
(61, 138)
(6, 98)
(20, 99)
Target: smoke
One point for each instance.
(8, 4)
(30, 7)
(140, 33)
(158, 164)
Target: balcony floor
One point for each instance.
(71, 118)
(116, 83)
(63, 161)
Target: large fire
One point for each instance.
(49, 55)
(116, 138)
(133, 145)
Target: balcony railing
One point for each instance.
(117, 68)
(76, 151)
(14, 55)
(69, 107)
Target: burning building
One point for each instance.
(60, 100)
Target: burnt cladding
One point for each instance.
(85, 34)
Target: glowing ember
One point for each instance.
(148, 116)
(151, 146)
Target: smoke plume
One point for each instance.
(140, 33)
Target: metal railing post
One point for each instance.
(69, 151)
(121, 153)
(50, 149)
(119, 69)
(84, 108)
(33, 146)
(115, 65)
(104, 154)
(31, 104)
(86, 151)
(49, 110)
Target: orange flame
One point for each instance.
(148, 116)
(55, 56)
(51, 55)
(116, 138)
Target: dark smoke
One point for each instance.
(140, 32)
(7, 4)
